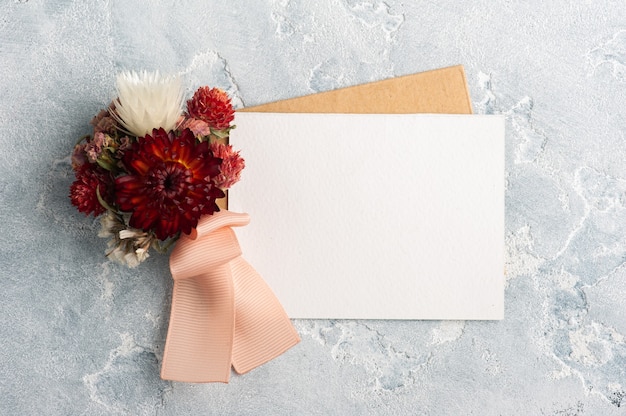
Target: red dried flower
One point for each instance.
(90, 177)
(213, 106)
(232, 165)
(170, 183)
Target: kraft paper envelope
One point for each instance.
(437, 91)
(377, 216)
(441, 90)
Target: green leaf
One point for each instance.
(103, 202)
(105, 164)
(223, 133)
(163, 248)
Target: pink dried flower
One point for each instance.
(125, 143)
(94, 148)
(232, 165)
(197, 126)
(103, 122)
(79, 157)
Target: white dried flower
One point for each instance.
(109, 225)
(131, 260)
(147, 100)
(142, 254)
(116, 253)
(128, 246)
(131, 233)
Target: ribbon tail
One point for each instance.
(223, 313)
(263, 330)
(200, 334)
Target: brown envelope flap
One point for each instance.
(438, 91)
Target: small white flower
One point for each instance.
(142, 254)
(131, 260)
(147, 100)
(129, 246)
(109, 224)
(116, 253)
(131, 233)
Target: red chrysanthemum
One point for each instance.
(170, 183)
(232, 165)
(89, 178)
(213, 106)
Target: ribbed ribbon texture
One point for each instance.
(223, 313)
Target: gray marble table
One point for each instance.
(82, 336)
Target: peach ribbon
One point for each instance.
(223, 313)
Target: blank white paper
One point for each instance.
(384, 216)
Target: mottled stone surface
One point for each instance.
(81, 336)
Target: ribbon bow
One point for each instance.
(223, 313)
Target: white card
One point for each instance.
(375, 216)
